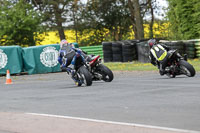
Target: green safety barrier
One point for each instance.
(36, 59)
(75, 45)
(197, 46)
(96, 50)
(11, 59)
(41, 59)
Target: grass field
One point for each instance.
(138, 66)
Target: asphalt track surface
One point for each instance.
(132, 97)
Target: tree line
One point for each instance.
(184, 18)
(23, 21)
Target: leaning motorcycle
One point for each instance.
(178, 65)
(81, 75)
(98, 70)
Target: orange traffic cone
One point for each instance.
(8, 79)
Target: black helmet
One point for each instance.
(151, 42)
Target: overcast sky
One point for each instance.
(162, 3)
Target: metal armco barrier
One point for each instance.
(41, 59)
(11, 58)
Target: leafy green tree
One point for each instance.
(112, 15)
(196, 16)
(20, 24)
(117, 16)
(184, 19)
(136, 17)
(58, 13)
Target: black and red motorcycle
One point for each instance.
(81, 75)
(178, 65)
(98, 70)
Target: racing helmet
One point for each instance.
(151, 42)
(63, 42)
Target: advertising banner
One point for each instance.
(41, 59)
(11, 59)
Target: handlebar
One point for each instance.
(172, 52)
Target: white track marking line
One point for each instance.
(116, 123)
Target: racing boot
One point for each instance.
(71, 70)
(164, 71)
(161, 72)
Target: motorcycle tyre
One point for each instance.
(189, 67)
(87, 76)
(104, 69)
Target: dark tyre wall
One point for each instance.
(184, 47)
(130, 50)
(117, 51)
(107, 51)
(190, 49)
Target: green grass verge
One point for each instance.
(138, 66)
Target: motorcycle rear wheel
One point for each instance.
(187, 68)
(106, 73)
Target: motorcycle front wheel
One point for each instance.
(170, 75)
(187, 68)
(85, 76)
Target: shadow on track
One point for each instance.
(173, 78)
